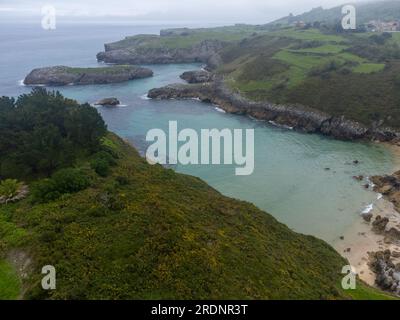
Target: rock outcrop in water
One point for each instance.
(108, 102)
(135, 53)
(297, 117)
(197, 76)
(61, 75)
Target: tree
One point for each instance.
(42, 131)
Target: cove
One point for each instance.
(289, 179)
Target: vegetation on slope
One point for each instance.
(355, 75)
(366, 11)
(186, 38)
(9, 282)
(42, 132)
(144, 232)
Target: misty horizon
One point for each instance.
(158, 11)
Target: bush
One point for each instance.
(62, 182)
(101, 163)
(101, 167)
(70, 180)
(45, 191)
(122, 181)
(9, 188)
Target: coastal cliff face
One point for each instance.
(295, 116)
(138, 53)
(61, 75)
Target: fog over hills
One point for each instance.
(194, 11)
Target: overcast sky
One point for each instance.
(235, 11)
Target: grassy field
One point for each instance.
(364, 292)
(193, 37)
(369, 67)
(102, 70)
(9, 282)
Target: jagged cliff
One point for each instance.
(138, 53)
(296, 116)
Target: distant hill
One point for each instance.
(377, 10)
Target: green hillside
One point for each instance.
(385, 10)
(117, 228)
(355, 75)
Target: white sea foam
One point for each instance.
(220, 110)
(280, 125)
(368, 209)
(21, 83)
(380, 196)
(145, 97)
(370, 183)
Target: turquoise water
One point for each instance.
(289, 181)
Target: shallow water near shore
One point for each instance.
(290, 181)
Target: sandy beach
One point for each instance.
(359, 240)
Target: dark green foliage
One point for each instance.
(62, 182)
(325, 69)
(102, 162)
(43, 131)
(365, 98)
(122, 181)
(376, 47)
(261, 69)
(70, 180)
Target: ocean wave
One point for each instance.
(370, 183)
(145, 97)
(21, 83)
(368, 209)
(280, 125)
(220, 110)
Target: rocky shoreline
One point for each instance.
(298, 117)
(61, 75)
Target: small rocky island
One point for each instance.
(112, 102)
(61, 75)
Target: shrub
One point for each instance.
(45, 191)
(122, 181)
(101, 167)
(101, 163)
(70, 180)
(62, 182)
(9, 188)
